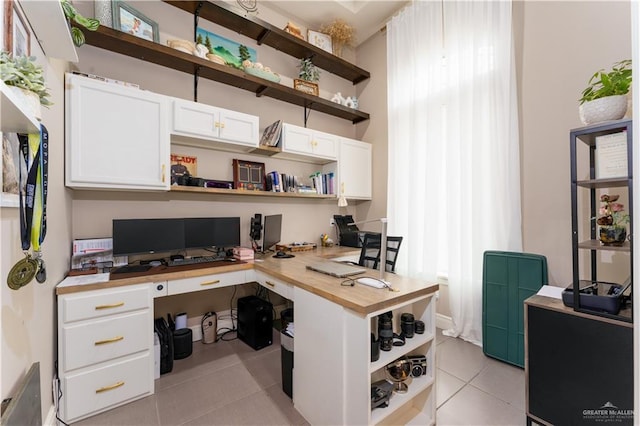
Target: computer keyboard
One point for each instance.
(131, 268)
(194, 260)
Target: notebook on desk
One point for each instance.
(336, 269)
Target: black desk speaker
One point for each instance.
(255, 322)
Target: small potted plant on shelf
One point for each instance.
(308, 77)
(613, 221)
(605, 98)
(72, 14)
(26, 79)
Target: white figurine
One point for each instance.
(351, 102)
(338, 99)
(201, 51)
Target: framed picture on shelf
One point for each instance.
(321, 40)
(248, 175)
(129, 20)
(16, 34)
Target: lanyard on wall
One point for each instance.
(33, 208)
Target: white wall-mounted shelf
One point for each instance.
(51, 28)
(13, 114)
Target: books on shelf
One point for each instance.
(611, 155)
(271, 134)
(324, 183)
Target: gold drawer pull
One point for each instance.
(210, 282)
(163, 174)
(112, 340)
(269, 283)
(222, 125)
(113, 305)
(110, 387)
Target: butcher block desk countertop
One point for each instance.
(359, 298)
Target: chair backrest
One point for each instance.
(370, 252)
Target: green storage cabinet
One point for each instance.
(508, 278)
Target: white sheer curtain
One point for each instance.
(454, 174)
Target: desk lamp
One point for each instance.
(383, 245)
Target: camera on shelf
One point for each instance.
(385, 330)
(418, 365)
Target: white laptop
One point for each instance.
(336, 269)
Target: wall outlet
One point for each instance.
(332, 222)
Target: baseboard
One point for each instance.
(444, 322)
(50, 419)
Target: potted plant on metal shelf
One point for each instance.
(613, 221)
(605, 98)
(308, 78)
(26, 79)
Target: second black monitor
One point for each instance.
(272, 231)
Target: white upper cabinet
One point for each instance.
(117, 137)
(306, 143)
(354, 169)
(207, 126)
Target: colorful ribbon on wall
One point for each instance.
(33, 208)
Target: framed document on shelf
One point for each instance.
(611, 156)
(248, 175)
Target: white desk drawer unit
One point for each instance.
(98, 303)
(277, 286)
(113, 384)
(105, 339)
(206, 282)
(105, 342)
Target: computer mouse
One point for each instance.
(281, 254)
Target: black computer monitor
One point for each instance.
(272, 231)
(220, 232)
(142, 236)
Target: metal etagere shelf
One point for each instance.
(588, 137)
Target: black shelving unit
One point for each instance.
(581, 138)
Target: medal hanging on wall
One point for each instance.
(33, 208)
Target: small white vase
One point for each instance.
(603, 109)
(30, 101)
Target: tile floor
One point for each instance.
(231, 384)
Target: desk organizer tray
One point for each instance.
(296, 247)
(596, 296)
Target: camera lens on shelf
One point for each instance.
(419, 327)
(407, 325)
(385, 331)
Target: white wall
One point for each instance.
(28, 316)
(563, 44)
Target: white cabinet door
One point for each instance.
(194, 119)
(239, 128)
(201, 123)
(117, 137)
(354, 169)
(307, 142)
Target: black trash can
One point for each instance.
(182, 343)
(286, 361)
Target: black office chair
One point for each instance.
(370, 252)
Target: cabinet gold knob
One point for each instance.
(210, 282)
(112, 340)
(110, 387)
(111, 306)
(222, 125)
(216, 124)
(269, 283)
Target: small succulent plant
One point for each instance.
(24, 73)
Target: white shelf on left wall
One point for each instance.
(51, 28)
(13, 115)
